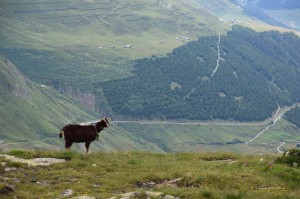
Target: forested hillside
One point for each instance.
(294, 116)
(243, 76)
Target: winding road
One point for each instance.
(219, 57)
(277, 116)
(278, 148)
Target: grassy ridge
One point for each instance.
(104, 175)
(30, 111)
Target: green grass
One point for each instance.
(141, 24)
(31, 112)
(42, 114)
(203, 175)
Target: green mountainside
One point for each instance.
(33, 114)
(69, 25)
(79, 48)
(31, 111)
(294, 116)
(68, 44)
(74, 45)
(243, 76)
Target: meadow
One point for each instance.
(189, 175)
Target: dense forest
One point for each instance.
(294, 116)
(256, 72)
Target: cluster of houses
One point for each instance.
(112, 46)
(183, 38)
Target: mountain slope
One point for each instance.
(240, 76)
(30, 111)
(278, 13)
(32, 114)
(93, 24)
(68, 45)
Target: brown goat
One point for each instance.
(82, 133)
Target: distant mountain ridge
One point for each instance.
(278, 13)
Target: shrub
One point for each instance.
(23, 154)
(290, 157)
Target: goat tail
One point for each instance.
(61, 134)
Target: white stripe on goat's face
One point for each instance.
(107, 121)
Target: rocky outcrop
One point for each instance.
(147, 194)
(88, 99)
(14, 79)
(35, 161)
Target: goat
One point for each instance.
(82, 133)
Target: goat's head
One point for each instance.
(103, 123)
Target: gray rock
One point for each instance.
(169, 197)
(83, 197)
(67, 192)
(154, 194)
(3, 163)
(8, 169)
(35, 161)
(128, 195)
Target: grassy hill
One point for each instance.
(93, 24)
(183, 175)
(31, 111)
